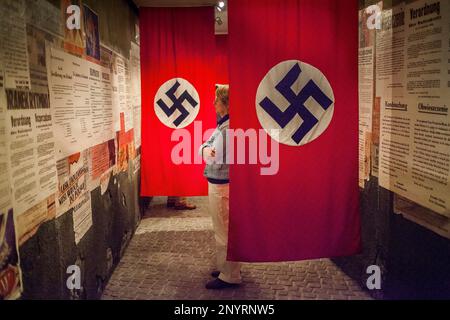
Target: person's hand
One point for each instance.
(209, 153)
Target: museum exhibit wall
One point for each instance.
(405, 149)
(74, 174)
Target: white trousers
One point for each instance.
(219, 209)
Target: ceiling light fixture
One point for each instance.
(220, 6)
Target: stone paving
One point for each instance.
(172, 254)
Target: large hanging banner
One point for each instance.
(221, 59)
(295, 77)
(177, 72)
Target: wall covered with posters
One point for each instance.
(70, 143)
(404, 92)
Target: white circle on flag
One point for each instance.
(294, 103)
(177, 103)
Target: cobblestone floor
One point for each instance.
(172, 254)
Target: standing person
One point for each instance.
(215, 153)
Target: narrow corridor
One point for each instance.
(172, 254)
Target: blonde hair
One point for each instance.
(222, 94)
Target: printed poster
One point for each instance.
(10, 273)
(415, 95)
(13, 44)
(102, 160)
(73, 37)
(91, 34)
(375, 137)
(366, 57)
(73, 174)
(135, 63)
(31, 147)
(5, 183)
(73, 192)
(37, 41)
(81, 102)
(46, 17)
(121, 81)
(82, 216)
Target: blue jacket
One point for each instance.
(218, 171)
